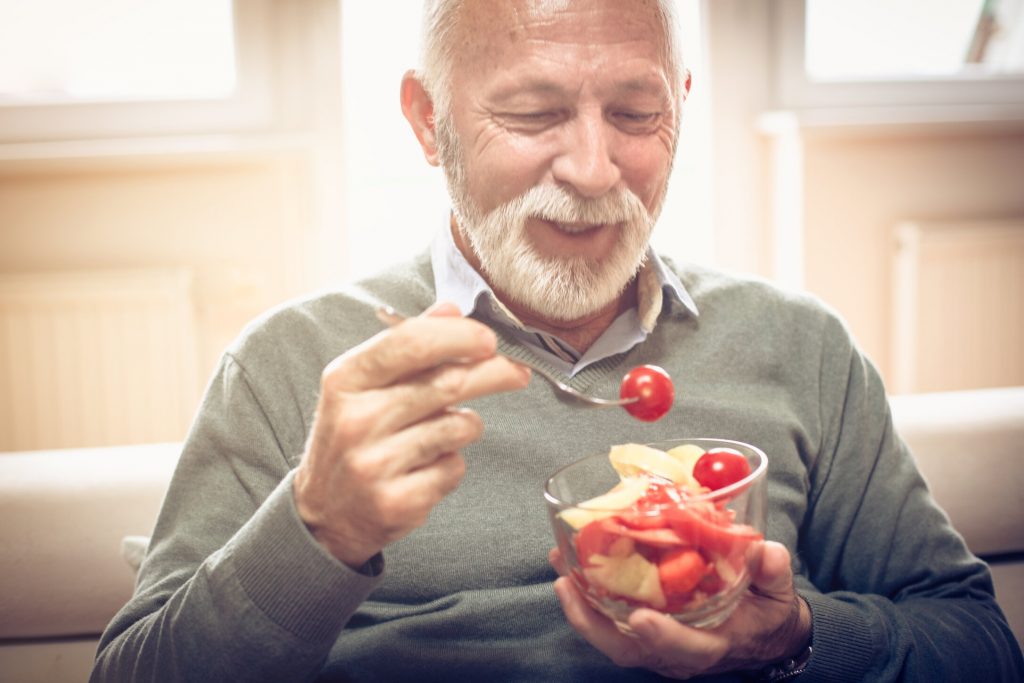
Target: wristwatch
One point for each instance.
(787, 669)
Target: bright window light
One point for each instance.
(871, 40)
(54, 51)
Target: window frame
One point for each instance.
(795, 91)
(249, 108)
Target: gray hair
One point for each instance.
(440, 21)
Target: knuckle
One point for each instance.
(399, 351)
(349, 429)
(385, 509)
(367, 362)
(367, 467)
(398, 512)
(459, 428)
(449, 383)
(361, 468)
(330, 377)
(473, 424)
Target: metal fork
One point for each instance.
(390, 317)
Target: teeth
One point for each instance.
(573, 228)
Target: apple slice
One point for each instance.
(625, 493)
(633, 459)
(631, 577)
(687, 455)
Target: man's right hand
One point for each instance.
(384, 446)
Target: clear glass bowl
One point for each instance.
(688, 556)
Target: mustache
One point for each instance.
(559, 205)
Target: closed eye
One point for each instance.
(532, 121)
(636, 122)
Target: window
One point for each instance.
(61, 51)
(122, 68)
(899, 53)
(909, 40)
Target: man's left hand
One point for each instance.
(771, 623)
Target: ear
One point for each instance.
(418, 109)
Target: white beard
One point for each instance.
(561, 288)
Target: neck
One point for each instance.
(581, 332)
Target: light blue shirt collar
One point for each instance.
(455, 280)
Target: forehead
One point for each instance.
(524, 35)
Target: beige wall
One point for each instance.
(243, 226)
(859, 185)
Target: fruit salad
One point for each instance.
(667, 536)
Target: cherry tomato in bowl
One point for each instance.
(652, 387)
(719, 468)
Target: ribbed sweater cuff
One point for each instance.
(843, 644)
(291, 578)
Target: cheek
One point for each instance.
(645, 173)
(502, 172)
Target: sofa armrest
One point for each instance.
(64, 515)
(969, 446)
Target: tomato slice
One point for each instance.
(662, 537)
(646, 512)
(702, 530)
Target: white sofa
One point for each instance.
(64, 515)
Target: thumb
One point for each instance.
(774, 576)
(445, 309)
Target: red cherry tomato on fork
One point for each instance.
(654, 390)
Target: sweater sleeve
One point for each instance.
(894, 592)
(233, 587)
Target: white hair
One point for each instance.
(439, 42)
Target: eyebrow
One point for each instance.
(542, 86)
(650, 86)
(532, 86)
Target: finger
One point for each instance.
(694, 647)
(423, 488)
(596, 629)
(408, 348)
(423, 443)
(774, 576)
(442, 309)
(381, 412)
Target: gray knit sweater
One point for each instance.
(234, 588)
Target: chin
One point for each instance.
(560, 289)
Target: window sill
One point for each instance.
(118, 153)
(903, 120)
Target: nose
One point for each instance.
(586, 161)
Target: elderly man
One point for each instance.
(337, 515)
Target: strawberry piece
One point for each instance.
(680, 570)
(594, 539)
